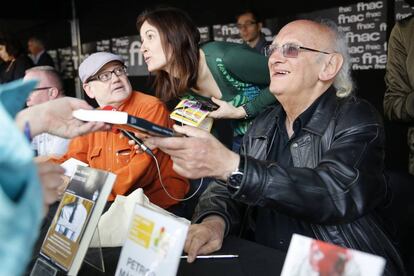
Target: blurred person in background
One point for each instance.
(15, 60)
(49, 87)
(250, 26)
(37, 52)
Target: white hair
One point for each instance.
(343, 81)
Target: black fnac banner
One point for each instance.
(128, 47)
(230, 33)
(204, 34)
(66, 60)
(402, 10)
(365, 27)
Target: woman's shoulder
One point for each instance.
(221, 46)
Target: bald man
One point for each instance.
(49, 87)
(312, 165)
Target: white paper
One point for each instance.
(114, 223)
(154, 244)
(70, 166)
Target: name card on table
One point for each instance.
(154, 244)
(307, 256)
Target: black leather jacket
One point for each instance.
(336, 183)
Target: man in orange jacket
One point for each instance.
(104, 79)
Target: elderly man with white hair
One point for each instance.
(312, 165)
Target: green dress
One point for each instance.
(242, 76)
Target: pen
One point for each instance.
(213, 256)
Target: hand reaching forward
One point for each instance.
(198, 155)
(50, 176)
(55, 117)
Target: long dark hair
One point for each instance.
(180, 40)
(13, 46)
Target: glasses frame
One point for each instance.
(98, 76)
(272, 48)
(42, 88)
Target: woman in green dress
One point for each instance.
(233, 76)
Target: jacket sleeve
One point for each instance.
(399, 94)
(345, 184)
(251, 67)
(216, 200)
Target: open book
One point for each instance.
(123, 120)
(76, 219)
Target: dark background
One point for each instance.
(106, 19)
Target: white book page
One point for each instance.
(71, 164)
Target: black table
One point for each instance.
(254, 259)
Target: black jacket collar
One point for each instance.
(316, 125)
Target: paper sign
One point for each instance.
(154, 244)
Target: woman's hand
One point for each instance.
(226, 110)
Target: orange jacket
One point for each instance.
(107, 151)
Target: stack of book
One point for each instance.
(192, 113)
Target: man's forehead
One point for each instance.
(304, 32)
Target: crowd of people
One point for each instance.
(294, 150)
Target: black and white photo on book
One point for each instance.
(76, 218)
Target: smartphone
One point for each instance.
(208, 104)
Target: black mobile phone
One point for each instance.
(149, 127)
(208, 104)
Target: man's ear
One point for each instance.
(88, 90)
(331, 67)
(260, 25)
(53, 93)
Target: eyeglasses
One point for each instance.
(107, 75)
(246, 25)
(41, 88)
(289, 50)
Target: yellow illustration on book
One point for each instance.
(190, 112)
(141, 230)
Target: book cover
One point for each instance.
(308, 256)
(191, 112)
(154, 244)
(76, 218)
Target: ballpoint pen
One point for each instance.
(213, 256)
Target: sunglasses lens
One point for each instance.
(290, 51)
